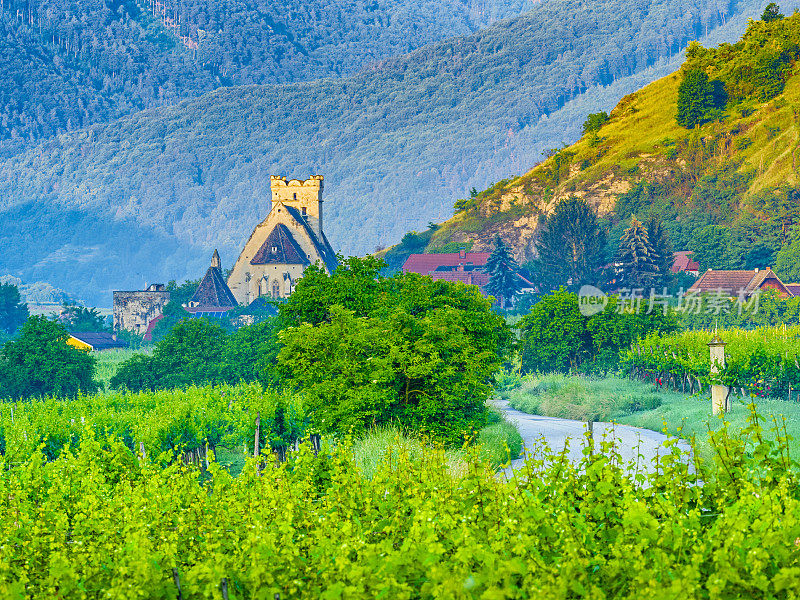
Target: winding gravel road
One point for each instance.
(555, 432)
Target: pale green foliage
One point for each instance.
(316, 528)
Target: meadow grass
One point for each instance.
(690, 416)
(108, 361)
(497, 443)
(582, 398)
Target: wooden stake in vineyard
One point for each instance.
(719, 393)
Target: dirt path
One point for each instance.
(555, 432)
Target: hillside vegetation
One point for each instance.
(731, 181)
(154, 192)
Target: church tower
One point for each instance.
(305, 196)
(287, 241)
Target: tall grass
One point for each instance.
(497, 443)
(582, 398)
(108, 361)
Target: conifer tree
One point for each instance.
(570, 247)
(662, 248)
(638, 268)
(502, 269)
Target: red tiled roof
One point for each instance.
(148, 335)
(281, 248)
(426, 263)
(794, 288)
(683, 262)
(732, 282)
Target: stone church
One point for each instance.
(284, 244)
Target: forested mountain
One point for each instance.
(150, 195)
(68, 63)
(725, 185)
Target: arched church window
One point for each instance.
(276, 290)
(263, 289)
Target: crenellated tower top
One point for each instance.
(305, 196)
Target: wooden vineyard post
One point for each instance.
(177, 579)
(258, 432)
(590, 426)
(719, 393)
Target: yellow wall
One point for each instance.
(76, 343)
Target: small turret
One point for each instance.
(215, 262)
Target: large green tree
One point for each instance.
(13, 311)
(772, 12)
(638, 260)
(80, 318)
(39, 362)
(555, 336)
(570, 247)
(699, 100)
(424, 373)
(713, 248)
(503, 270)
(787, 260)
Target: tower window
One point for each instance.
(303, 210)
(294, 196)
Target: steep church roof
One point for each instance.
(322, 246)
(280, 248)
(213, 292)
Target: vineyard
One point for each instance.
(762, 362)
(164, 425)
(102, 522)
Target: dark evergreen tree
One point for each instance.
(503, 270)
(699, 99)
(636, 258)
(570, 247)
(662, 248)
(13, 311)
(771, 13)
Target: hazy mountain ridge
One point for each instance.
(68, 64)
(397, 144)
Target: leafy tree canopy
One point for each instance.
(79, 318)
(772, 12)
(699, 100)
(39, 362)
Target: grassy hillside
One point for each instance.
(149, 196)
(738, 172)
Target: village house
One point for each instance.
(95, 341)
(745, 282)
(684, 263)
(463, 266)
